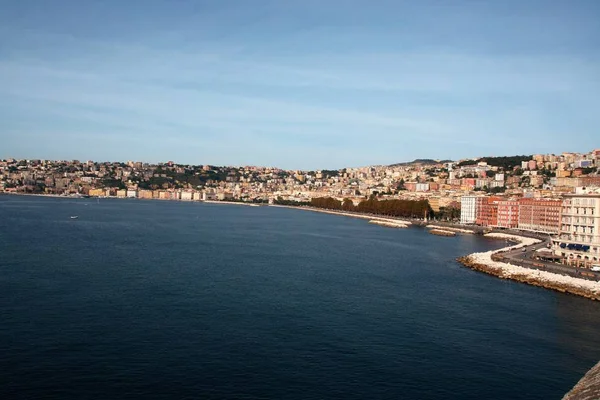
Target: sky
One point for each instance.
(297, 84)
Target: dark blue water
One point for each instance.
(150, 299)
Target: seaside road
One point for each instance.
(527, 259)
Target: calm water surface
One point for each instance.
(150, 299)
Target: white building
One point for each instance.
(422, 187)
(468, 209)
(579, 236)
(197, 196)
(206, 195)
(187, 196)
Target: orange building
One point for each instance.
(468, 183)
(487, 211)
(508, 214)
(540, 215)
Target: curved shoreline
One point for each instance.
(483, 262)
(376, 218)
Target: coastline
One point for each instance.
(447, 228)
(483, 262)
(398, 223)
(59, 196)
(235, 203)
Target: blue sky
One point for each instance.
(297, 84)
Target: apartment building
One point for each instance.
(422, 187)
(487, 211)
(96, 192)
(145, 194)
(187, 196)
(540, 215)
(468, 210)
(508, 214)
(579, 236)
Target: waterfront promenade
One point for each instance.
(489, 263)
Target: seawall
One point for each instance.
(442, 232)
(370, 217)
(535, 278)
(483, 262)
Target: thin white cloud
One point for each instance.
(214, 90)
(184, 106)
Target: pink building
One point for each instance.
(468, 183)
(532, 164)
(508, 214)
(540, 215)
(410, 186)
(487, 210)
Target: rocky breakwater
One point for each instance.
(383, 221)
(449, 228)
(390, 223)
(484, 262)
(442, 232)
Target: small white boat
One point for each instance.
(74, 216)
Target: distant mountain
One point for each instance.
(421, 161)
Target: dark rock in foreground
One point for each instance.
(588, 388)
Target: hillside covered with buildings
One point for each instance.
(545, 193)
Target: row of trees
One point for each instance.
(448, 214)
(393, 208)
(507, 163)
(280, 201)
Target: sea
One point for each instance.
(178, 300)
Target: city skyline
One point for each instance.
(297, 85)
(414, 161)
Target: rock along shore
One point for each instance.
(442, 232)
(389, 223)
(588, 388)
(448, 228)
(483, 262)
